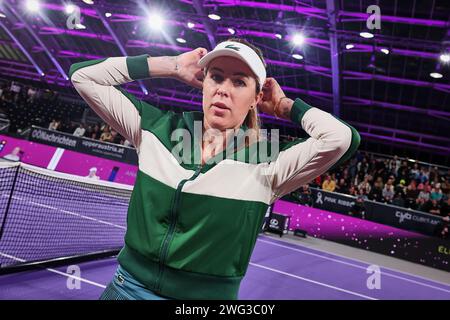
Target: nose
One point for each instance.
(223, 89)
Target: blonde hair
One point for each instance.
(253, 122)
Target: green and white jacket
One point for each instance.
(191, 229)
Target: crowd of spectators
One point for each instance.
(392, 181)
(18, 93)
(98, 131)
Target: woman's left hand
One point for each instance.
(272, 94)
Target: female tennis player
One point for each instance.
(193, 220)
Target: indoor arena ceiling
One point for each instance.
(387, 86)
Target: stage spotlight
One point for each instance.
(278, 36)
(436, 75)
(190, 25)
(32, 5)
(385, 51)
(108, 14)
(297, 56)
(445, 57)
(181, 40)
(213, 16)
(156, 21)
(366, 35)
(88, 1)
(69, 8)
(231, 31)
(80, 26)
(2, 15)
(349, 46)
(298, 39)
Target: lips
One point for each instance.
(220, 105)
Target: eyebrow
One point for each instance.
(234, 74)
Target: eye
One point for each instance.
(240, 83)
(216, 77)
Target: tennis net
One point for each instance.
(48, 215)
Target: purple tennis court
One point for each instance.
(278, 270)
(51, 215)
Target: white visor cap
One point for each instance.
(240, 51)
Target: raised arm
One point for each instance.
(98, 82)
(331, 141)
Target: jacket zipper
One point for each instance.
(173, 222)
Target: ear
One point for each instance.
(258, 98)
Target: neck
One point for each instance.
(215, 140)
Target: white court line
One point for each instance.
(71, 213)
(58, 272)
(76, 214)
(312, 281)
(357, 266)
(253, 264)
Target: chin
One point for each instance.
(219, 123)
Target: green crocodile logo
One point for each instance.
(230, 46)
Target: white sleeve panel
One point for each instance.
(95, 83)
(329, 141)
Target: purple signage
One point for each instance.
(66, 161)
(367, 235)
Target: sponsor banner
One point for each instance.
(402, 218)
(84, 145)
(278, 223)
(379, 212)
(67, 161)
(36, 154)
(335, 202)
(367, 235)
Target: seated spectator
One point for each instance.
(305, 196)
(88, 132)
(352, 191)
(435, 208)
(317, 182)
(106, 135)
(329, 185)
(414, 173)
(93, 174)
(422, 205)
(423, 193)
(341, 187)
(376, 193)
(400, 187)
(116, 137)
(127, 143)
(54, 125)
(411, 195)
(365, 185)
(96, 133)
(31, 94)
(79, 131)
(388, 192)
(436, 192)
(358, 208)
(424, 175)
(15, 155)
(398, 200)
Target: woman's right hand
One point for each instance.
(187, 69)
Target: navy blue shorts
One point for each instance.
(125, 287)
